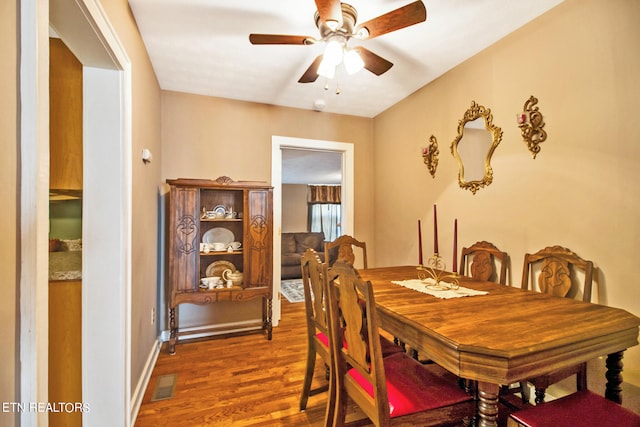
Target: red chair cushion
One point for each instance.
(323, 338)
(411, 387)
(582, 408)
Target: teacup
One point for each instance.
(210, 214)
(235, 245)
(211, 282)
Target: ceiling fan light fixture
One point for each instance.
(325, 69)
(333, 52)
(362, 33)
(353, 62)
(337, 24)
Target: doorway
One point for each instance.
(106, 215)
(280, 143)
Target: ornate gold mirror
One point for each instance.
(474, 151)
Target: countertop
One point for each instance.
(66, 265)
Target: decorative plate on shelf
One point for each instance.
(217, 267)
(218, 235)
(220, 210)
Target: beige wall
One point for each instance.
(146, 184)
(294, 208)
(9, 212)
(582, 61)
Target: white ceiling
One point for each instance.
(301, 166)
(202, 47)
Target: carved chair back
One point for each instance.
(479, 261)
(342, 249)
(558, 268)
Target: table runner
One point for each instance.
(443, 292)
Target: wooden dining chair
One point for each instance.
(395, 388)
(479, 262)
(582, 408)
(557, 274)
(314, 275)
(342, 249)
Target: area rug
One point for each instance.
(292, 290)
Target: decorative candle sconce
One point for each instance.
(430, 155)
(531, 125)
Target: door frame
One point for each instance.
(106, 258)
(278, 143)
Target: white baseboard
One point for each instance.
(143, 382)
(225, 328)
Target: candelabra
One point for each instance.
(434, 276)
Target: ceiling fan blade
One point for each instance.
(280, 39)
(405, 16)
(311, 75)
(372, 62)
(330, 11)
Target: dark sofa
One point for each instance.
(293, 246)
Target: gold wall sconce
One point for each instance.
(531, 125)
(430, 155)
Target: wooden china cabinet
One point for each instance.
(238, 211)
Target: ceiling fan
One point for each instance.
(336, 22)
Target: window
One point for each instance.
(325, 217)
(324, 210)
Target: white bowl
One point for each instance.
(219, 246)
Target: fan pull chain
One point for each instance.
(326, 86)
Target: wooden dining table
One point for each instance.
(503, 337)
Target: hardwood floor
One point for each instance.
(239, 381)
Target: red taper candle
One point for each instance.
(435, 230)
(455, 245)
(419, 243)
